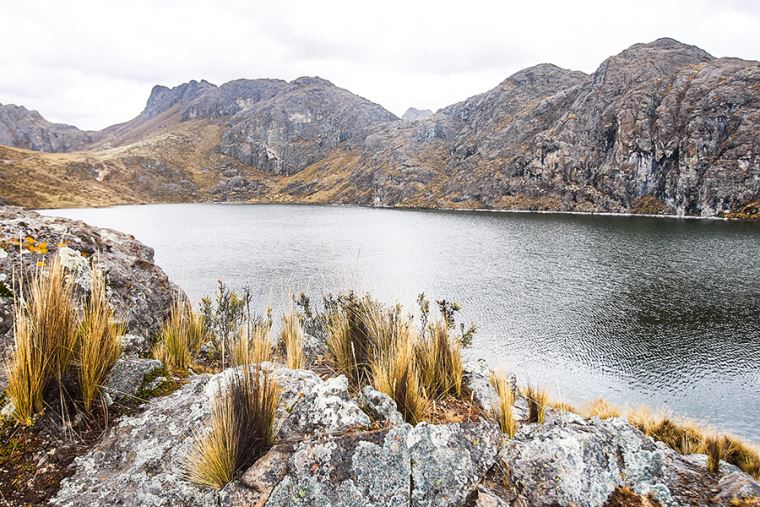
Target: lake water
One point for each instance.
(662, 312)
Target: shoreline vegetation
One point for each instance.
(725, 217)
(63, 355)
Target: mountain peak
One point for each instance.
(162, 97)
(311, 81)
(413, 114)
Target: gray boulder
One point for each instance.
(582, 461)
(127, 376)
(380, 406)
(368, 469)
(450, 460)
(140, 460)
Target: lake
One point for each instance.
(662, 312)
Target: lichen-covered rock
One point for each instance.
(380, 406)
(139, 291)
(309, 406)
(133, 344)
(140, 460)
(450, 460)
(368, 469)
(320, 407)
(127, 376)
(477, 381)
(582, 461)
(738, 485)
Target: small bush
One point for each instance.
(181, 336)
(98, 345)
(242, 428)
(537, 402)
(45, 338)
(504, 414)
(224, 316)
(292, 341)
(440, 362)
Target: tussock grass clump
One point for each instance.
(394, 373)
(440, 362)
(98, 346)
(714, 451)
(601, 408)
(242, 428)
(181, 336)
(687, 437)
(45, 338)
(537, 399)
(28, 371)
(504, 414)
(354, 328)
(292, 338)
(252, 346)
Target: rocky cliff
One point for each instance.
(23, 128)
(661, 128)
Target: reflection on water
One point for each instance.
(638, 310)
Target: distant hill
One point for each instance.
(662, 127)
(413, 113)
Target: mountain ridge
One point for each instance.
(662, 127)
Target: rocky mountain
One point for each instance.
(661, 128)
(299, 126)
(23, 128)
(413, 113)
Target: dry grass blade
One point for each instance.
(440, 362)
(251, 347)
(45, 337)
(504, 414)
(353, 329)
(601, 408)
(242, 428)
(98, 345)
(538, 399)
(292, 338)
(27, 371)
(394, 373)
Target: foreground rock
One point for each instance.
(139, 290)
(329, 453)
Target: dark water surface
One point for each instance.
(663, 312)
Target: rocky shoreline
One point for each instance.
(335, 444)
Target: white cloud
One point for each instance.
(93, 63)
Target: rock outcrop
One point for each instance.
(661, 128)
(299, 126)
(328, 453)
(139, 291)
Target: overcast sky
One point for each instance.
(93, 63)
